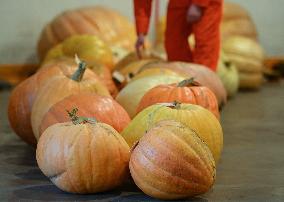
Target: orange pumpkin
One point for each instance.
(107, 24)
(61, 86)
(22, 98)
(84, 156)
(187, 91)
(201, 74)
(105, 109)
(171, 162)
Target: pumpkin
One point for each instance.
(228, 74)
(201, 74)
(59, 87)
(19, 109)
(105, 109)
(118, 53)
(99, 69)
(153, 72)
(237, 22)
(83, 156)
(186, 91)
(146, 55)
(109, 25)
(22, 98)
(88, 48)
(248, 56)
(202, 121)
(130, 96)
(165, 162)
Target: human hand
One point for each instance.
(194, 13)
(140, 45)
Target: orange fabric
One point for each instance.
(206, 31)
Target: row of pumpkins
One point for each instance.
(95, 118)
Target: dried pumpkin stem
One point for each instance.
(188, 82)
(79, 119)
(78, 75)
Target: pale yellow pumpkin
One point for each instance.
(130, 96)
(202, 121)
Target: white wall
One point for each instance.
(22, 20)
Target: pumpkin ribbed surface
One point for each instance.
(172, 162)
(195, 117)
(83, 158)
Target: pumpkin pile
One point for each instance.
(108, 115)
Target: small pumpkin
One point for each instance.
(105, 109)
(130, 96)
(59, 87)
(83, 156)
(201, 74)
(248, 56)
(186, 91)
(89, 48)
(199, 119)
(22, 98)
(228, 74)
(109, 25)
(165, 162)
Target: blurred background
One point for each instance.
(22, 21)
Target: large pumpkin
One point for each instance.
(59, 87)
(228, 74)
(83, 157)
(201, 74)
(172, 162)
(107, 24)
(187, 91)
(248, 56)
(105, 109)
(89, 48)
(237, 21)
(130, 96)
(202, 121)
(22, 98)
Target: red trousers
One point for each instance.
(206, 33)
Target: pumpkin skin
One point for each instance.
(153, 72)
(228, 74)
(77, 157)
(130, 96)
(59, 87)
(109, 25)
(99, 69)
(105, 109)
(186, 91)
(201, 74)
(164, 163)
(248, 56)
(19, 110)
(202, 121)
(89, 48)
(22, 98)
(237, 22)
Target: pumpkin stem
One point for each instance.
(188, 82)
(227, 64)
(78, 75)
(176, 104)
(79, 119)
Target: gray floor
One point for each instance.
(251, 168)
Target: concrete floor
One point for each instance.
(251, 168)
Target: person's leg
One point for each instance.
(176, 36)
(207, 36)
